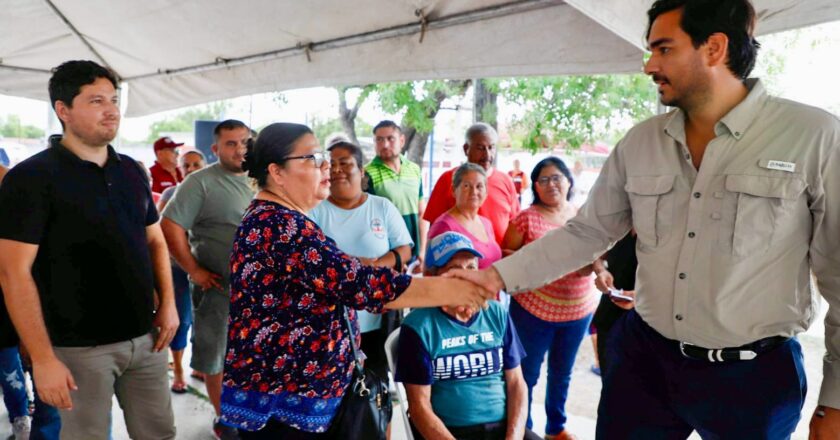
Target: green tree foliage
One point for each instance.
(12, 128)
(574, 110)
(184, 121)
(419, 103)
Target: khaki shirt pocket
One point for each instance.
(752, 208)
(652, 204)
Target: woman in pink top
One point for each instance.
(469, 185)
(555, 317)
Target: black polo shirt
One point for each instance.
(93, 268)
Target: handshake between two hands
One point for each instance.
(473, 287)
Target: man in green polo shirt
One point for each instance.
(391, 175)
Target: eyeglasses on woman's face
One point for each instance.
(318, 158)
(555, 179)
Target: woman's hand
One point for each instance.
(442, 291)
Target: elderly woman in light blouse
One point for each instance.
(289, 359)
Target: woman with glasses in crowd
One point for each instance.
(289, 360)
(554, 318)
(367, 227)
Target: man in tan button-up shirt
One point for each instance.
(735, 197)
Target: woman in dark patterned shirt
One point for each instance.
(289, 359)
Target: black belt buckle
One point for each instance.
(691, 351)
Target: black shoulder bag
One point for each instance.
(366, 409)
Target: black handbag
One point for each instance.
(366, 408)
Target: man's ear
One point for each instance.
(62, 110)
(716, 49)
(466, 148)
(215, 149)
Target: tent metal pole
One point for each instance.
(80, 36)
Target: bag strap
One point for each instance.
(352, 334)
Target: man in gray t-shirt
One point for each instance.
(199, 223)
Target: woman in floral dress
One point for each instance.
(289, 358)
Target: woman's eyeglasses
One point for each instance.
(317, 158)
(555, 179)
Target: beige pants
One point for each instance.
(131, 370)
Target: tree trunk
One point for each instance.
(485, 104)
(415, 145)
(347, 115)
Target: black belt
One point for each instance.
(459, 431)
(742, 353)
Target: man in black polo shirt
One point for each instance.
(80, 261)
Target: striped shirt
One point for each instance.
(403, 189)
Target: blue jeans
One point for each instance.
(652, 392)
(561, 340)
(183, 303)
(13, 383)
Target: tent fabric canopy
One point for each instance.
(174, 53)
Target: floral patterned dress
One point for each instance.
(288, 354)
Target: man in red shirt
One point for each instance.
(502, 202)
(165, 172)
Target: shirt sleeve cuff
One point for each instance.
(512, 275)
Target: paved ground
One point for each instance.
(193, 413)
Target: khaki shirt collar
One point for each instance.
(735, 123)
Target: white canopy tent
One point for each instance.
(174, 53)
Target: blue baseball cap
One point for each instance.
(442, 247)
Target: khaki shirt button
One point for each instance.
(678, 317)
(683, 276)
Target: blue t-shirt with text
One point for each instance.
(462, 361)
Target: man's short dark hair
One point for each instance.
(387, 124)
(69, 77)
(702, 18)
(228, 124)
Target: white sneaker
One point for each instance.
(21, 426)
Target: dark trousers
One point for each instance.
(652, 392)
(484, 431)
(606, 315)
(274, 430)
